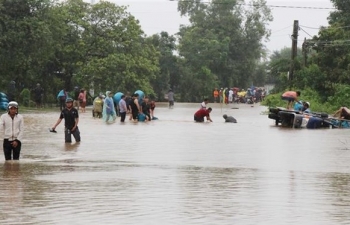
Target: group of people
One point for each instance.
(79, 101)
(231, 95)
(139, 109)
(70, 115)
(105, 107)
(293, 97)
(304, 106)
(13, 126)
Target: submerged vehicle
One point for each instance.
(297, 119)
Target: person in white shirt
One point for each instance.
(204, 103)
(230, 96)
(12, 126)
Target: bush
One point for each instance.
(341, 97)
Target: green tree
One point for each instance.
(259, 76)
(311, 77)
(25, 41)
(332, 49)
(168, 76)
(117, 55)
(278, 67)
(70, 51)
(223, 45)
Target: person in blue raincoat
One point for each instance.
(62, 96)
(109, 114)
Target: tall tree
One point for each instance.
(119, 57)
(279, 64)
(74, 43)
(332, 45)
(223, 44)
(168, 76)
(25, 40)
(70, 48)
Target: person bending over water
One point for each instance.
(201, 113)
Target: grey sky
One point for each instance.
(161, 15)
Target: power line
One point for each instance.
(328, 42)
(315, 28)
(326, 28)
(281, 35)
(296, 7)
(335, 45)
(256, 5)
(305, 31)
(281, 29)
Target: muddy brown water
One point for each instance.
(175, 171)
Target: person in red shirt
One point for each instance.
(201, 113)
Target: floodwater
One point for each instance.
(175, 171)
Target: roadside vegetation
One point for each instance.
(100, 47)
(63, 44)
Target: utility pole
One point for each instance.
(305, 51)
(294, 48)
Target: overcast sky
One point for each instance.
(162, 15)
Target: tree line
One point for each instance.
(63, 44)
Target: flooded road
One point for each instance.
(175, 171)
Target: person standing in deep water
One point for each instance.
(122, 108)
(146, 108)
(12, 125)
(71, 120)
(109, 114)
(135, 107)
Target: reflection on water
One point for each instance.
(11, 193)
(175, 171)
